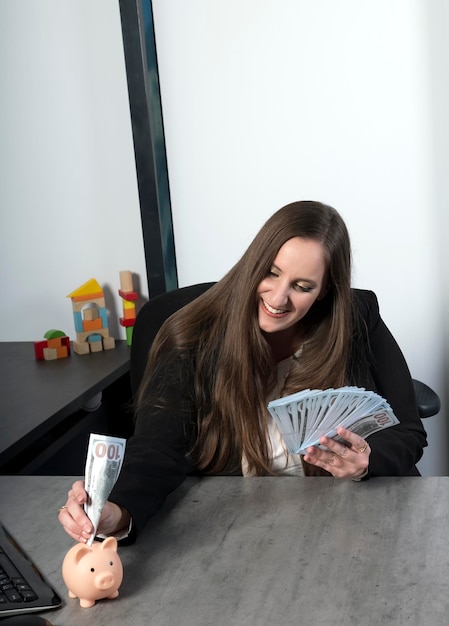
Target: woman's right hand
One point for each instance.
(78, 525)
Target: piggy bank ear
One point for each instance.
(109, 544)
(79, 551)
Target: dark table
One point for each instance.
(37, 396)
(233, 551)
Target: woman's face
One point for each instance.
(295, 280)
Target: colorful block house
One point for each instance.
(90, 317)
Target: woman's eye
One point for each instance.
(303, 288)
(272, 273)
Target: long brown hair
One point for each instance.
(219, 331)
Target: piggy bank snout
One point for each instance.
(104, 581)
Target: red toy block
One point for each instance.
(39, 349)
(66, 343)
(128, 295)
(125, 322)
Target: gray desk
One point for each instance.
(230, 551)
(37, 396)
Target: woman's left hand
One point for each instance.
(340, 460)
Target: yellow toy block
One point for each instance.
(90, 290)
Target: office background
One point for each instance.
(264, 102)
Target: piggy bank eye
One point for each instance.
(111, 562)
(92, 569)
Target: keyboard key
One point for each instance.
(28, 596)
(13, 595)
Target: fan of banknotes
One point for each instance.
(304, 417)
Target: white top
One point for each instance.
(283, 462)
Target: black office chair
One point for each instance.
(154, 312)
(150, 318)
(427, 399)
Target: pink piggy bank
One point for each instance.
(93, 573)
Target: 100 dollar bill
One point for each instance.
(103, 464)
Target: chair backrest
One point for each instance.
(149, 320)
(428, 400)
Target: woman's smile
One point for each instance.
(272, 311)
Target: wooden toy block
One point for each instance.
(87, 291)
(80, 306)
(54, 343)
(126, 280)
(62, 352)
(104, 317)
(53, 333)
(129, 335)
(88, 298)
(90, 325)
(78, 320)
(50, 354)
(81, 348)
(128, 295)
(91, 313)
(94, 337)
(125, 322)
(129, 305)
(95, 346)
(109, 343)
(66, 343)
(129, 314)
(39, 349)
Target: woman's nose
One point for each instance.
(280, 294)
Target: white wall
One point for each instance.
(68, 188)
(269, 101)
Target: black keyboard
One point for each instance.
(23, 589)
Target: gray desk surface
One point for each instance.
(36, 396)
(257, 551)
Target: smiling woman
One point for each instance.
(283, 319)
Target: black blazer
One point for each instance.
(155, 461)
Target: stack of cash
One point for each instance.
(304, 417)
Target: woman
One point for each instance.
(283, 319)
